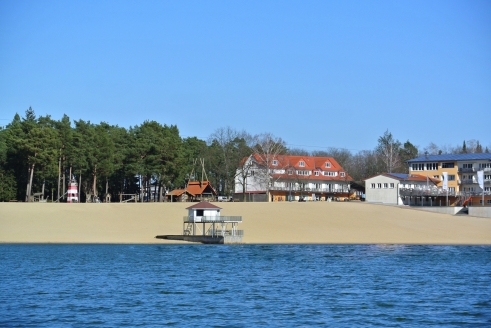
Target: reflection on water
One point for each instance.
(245, 285)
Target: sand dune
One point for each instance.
(318, 222)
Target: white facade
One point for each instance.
(382, 189)
(198, 214)
(293, 179)
(385, 188)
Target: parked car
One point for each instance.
(225, 199)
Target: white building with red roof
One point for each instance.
(289, 177)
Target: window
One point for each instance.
(386, 185)
(327, 164)
(302, 172)
(487, 177)
(418, 167)
(392, 186)
(329, 174)
(467, 166)
(379, 185)
(301, 163)
(451, 189)
(342, 174)
(275, 162)
(488, 201)
(448, 165)
(316, 173)
(252, 173)
(436, 177)
(485, 165)
(432, 166)
(290, 172)
(372, 186)
(487, 188)
(451, 177)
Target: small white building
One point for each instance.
(203, 209)
(205, 224)
(386, 188)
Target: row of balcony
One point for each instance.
(471, 181)
(316, 190)
(473, 170)
(439, 192)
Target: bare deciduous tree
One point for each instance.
(388, 150)
(267, 147)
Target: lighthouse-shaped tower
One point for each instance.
(72, 194)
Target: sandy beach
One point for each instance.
(263, 223)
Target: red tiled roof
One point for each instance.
(178, 192)
(310, 163)
(198, 187)
(203, 206)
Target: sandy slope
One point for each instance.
(318, 222)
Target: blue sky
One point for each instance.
(316, 73)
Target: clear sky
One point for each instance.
(316, 73)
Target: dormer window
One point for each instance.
(301, 163)
(275, 162)
(290, 172)
(341, 174)
(327, 164)
(316, 173)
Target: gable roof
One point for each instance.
(203, 206)
(311, 163)
(451, 157)
(178, 192)
(199, 187)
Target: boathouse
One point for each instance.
(205, 224)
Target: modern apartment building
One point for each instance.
(462, 174)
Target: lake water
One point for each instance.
(244, 285)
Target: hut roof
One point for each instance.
(199, 187)
(204, 206)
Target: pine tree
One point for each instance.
(464, 148)
(478, 148)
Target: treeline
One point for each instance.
(40, 155)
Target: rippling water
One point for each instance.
(244, 285)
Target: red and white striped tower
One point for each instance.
(72, 196)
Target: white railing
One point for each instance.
(228, 232)
(212, 219)
(297, 189)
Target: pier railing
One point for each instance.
(212, 219)
(237, 233)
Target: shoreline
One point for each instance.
(326, 223)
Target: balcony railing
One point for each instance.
(469, 181)
(212, 219)
(318, 190)
(439, 192)
(467, 170)
(425, 192)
